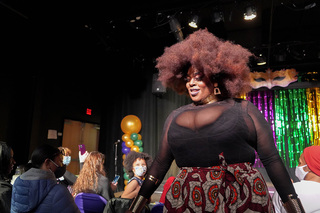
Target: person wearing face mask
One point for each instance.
(308, 188)
(67, 179)
(37, 190)
(136, 165)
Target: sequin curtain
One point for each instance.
(291, 124)
(294, 116)
(263, 100)
(313, 101)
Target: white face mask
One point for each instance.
(66, 160)
(300, 173)
(140, 170)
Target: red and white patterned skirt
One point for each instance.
(225, 188)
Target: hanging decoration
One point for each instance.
(132, 140)
(292, 124)
(263, 100)
(313, 100)
(271, 78)
(294, 117)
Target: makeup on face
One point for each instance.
(198, 85)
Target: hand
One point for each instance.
(83, 157)
(114, 186)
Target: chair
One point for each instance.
(90, 203)
(121, 205)
(158, 208)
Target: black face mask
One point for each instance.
(60, 170)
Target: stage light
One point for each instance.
(261, 60)
(218, 16)
(176, 28)
(194, 21)
(250, 13)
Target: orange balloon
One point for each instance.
(125, 182)
(125, 137)
(123, 156)
(139, 137)
(135, 148)
(130, 124)
(129, 143)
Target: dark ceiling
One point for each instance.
(87, 32)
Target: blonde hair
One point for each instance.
(89, 174)
(65, 151)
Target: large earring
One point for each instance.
(216, 90)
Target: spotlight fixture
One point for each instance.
(194, 21)
(218, 17)
(261, 60)
(250, 13)
(176, 28)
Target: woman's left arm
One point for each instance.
(269, 155)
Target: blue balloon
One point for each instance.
(125, 150)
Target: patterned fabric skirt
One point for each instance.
(225, 188)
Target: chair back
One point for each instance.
(158, 208)
(121, 205)
(90, 202)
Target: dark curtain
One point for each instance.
(134, 97)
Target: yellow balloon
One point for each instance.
(135, 148)
(139, 137)
(130, 124)
(125, 182)
(129, 143)
(125, 137)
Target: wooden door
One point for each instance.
(76, 133)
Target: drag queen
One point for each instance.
(214, 139)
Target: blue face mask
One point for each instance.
(66, 160)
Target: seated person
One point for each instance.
(136, 165)
(92, 177)
(68, 179)
(308, 189)
(6, 166)
(37, 190)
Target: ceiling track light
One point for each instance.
(176, 28)
(250, 13)
(194, 21)
(218, 16)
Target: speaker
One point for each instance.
(157, 87)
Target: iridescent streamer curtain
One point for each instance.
(294, 117)
(313, 101)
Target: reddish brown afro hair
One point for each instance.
(221, 61)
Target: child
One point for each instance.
(136, 165)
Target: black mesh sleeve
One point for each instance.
(269, 155)
(161, 163)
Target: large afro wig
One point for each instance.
(221, 61)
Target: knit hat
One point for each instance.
(312, 157)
